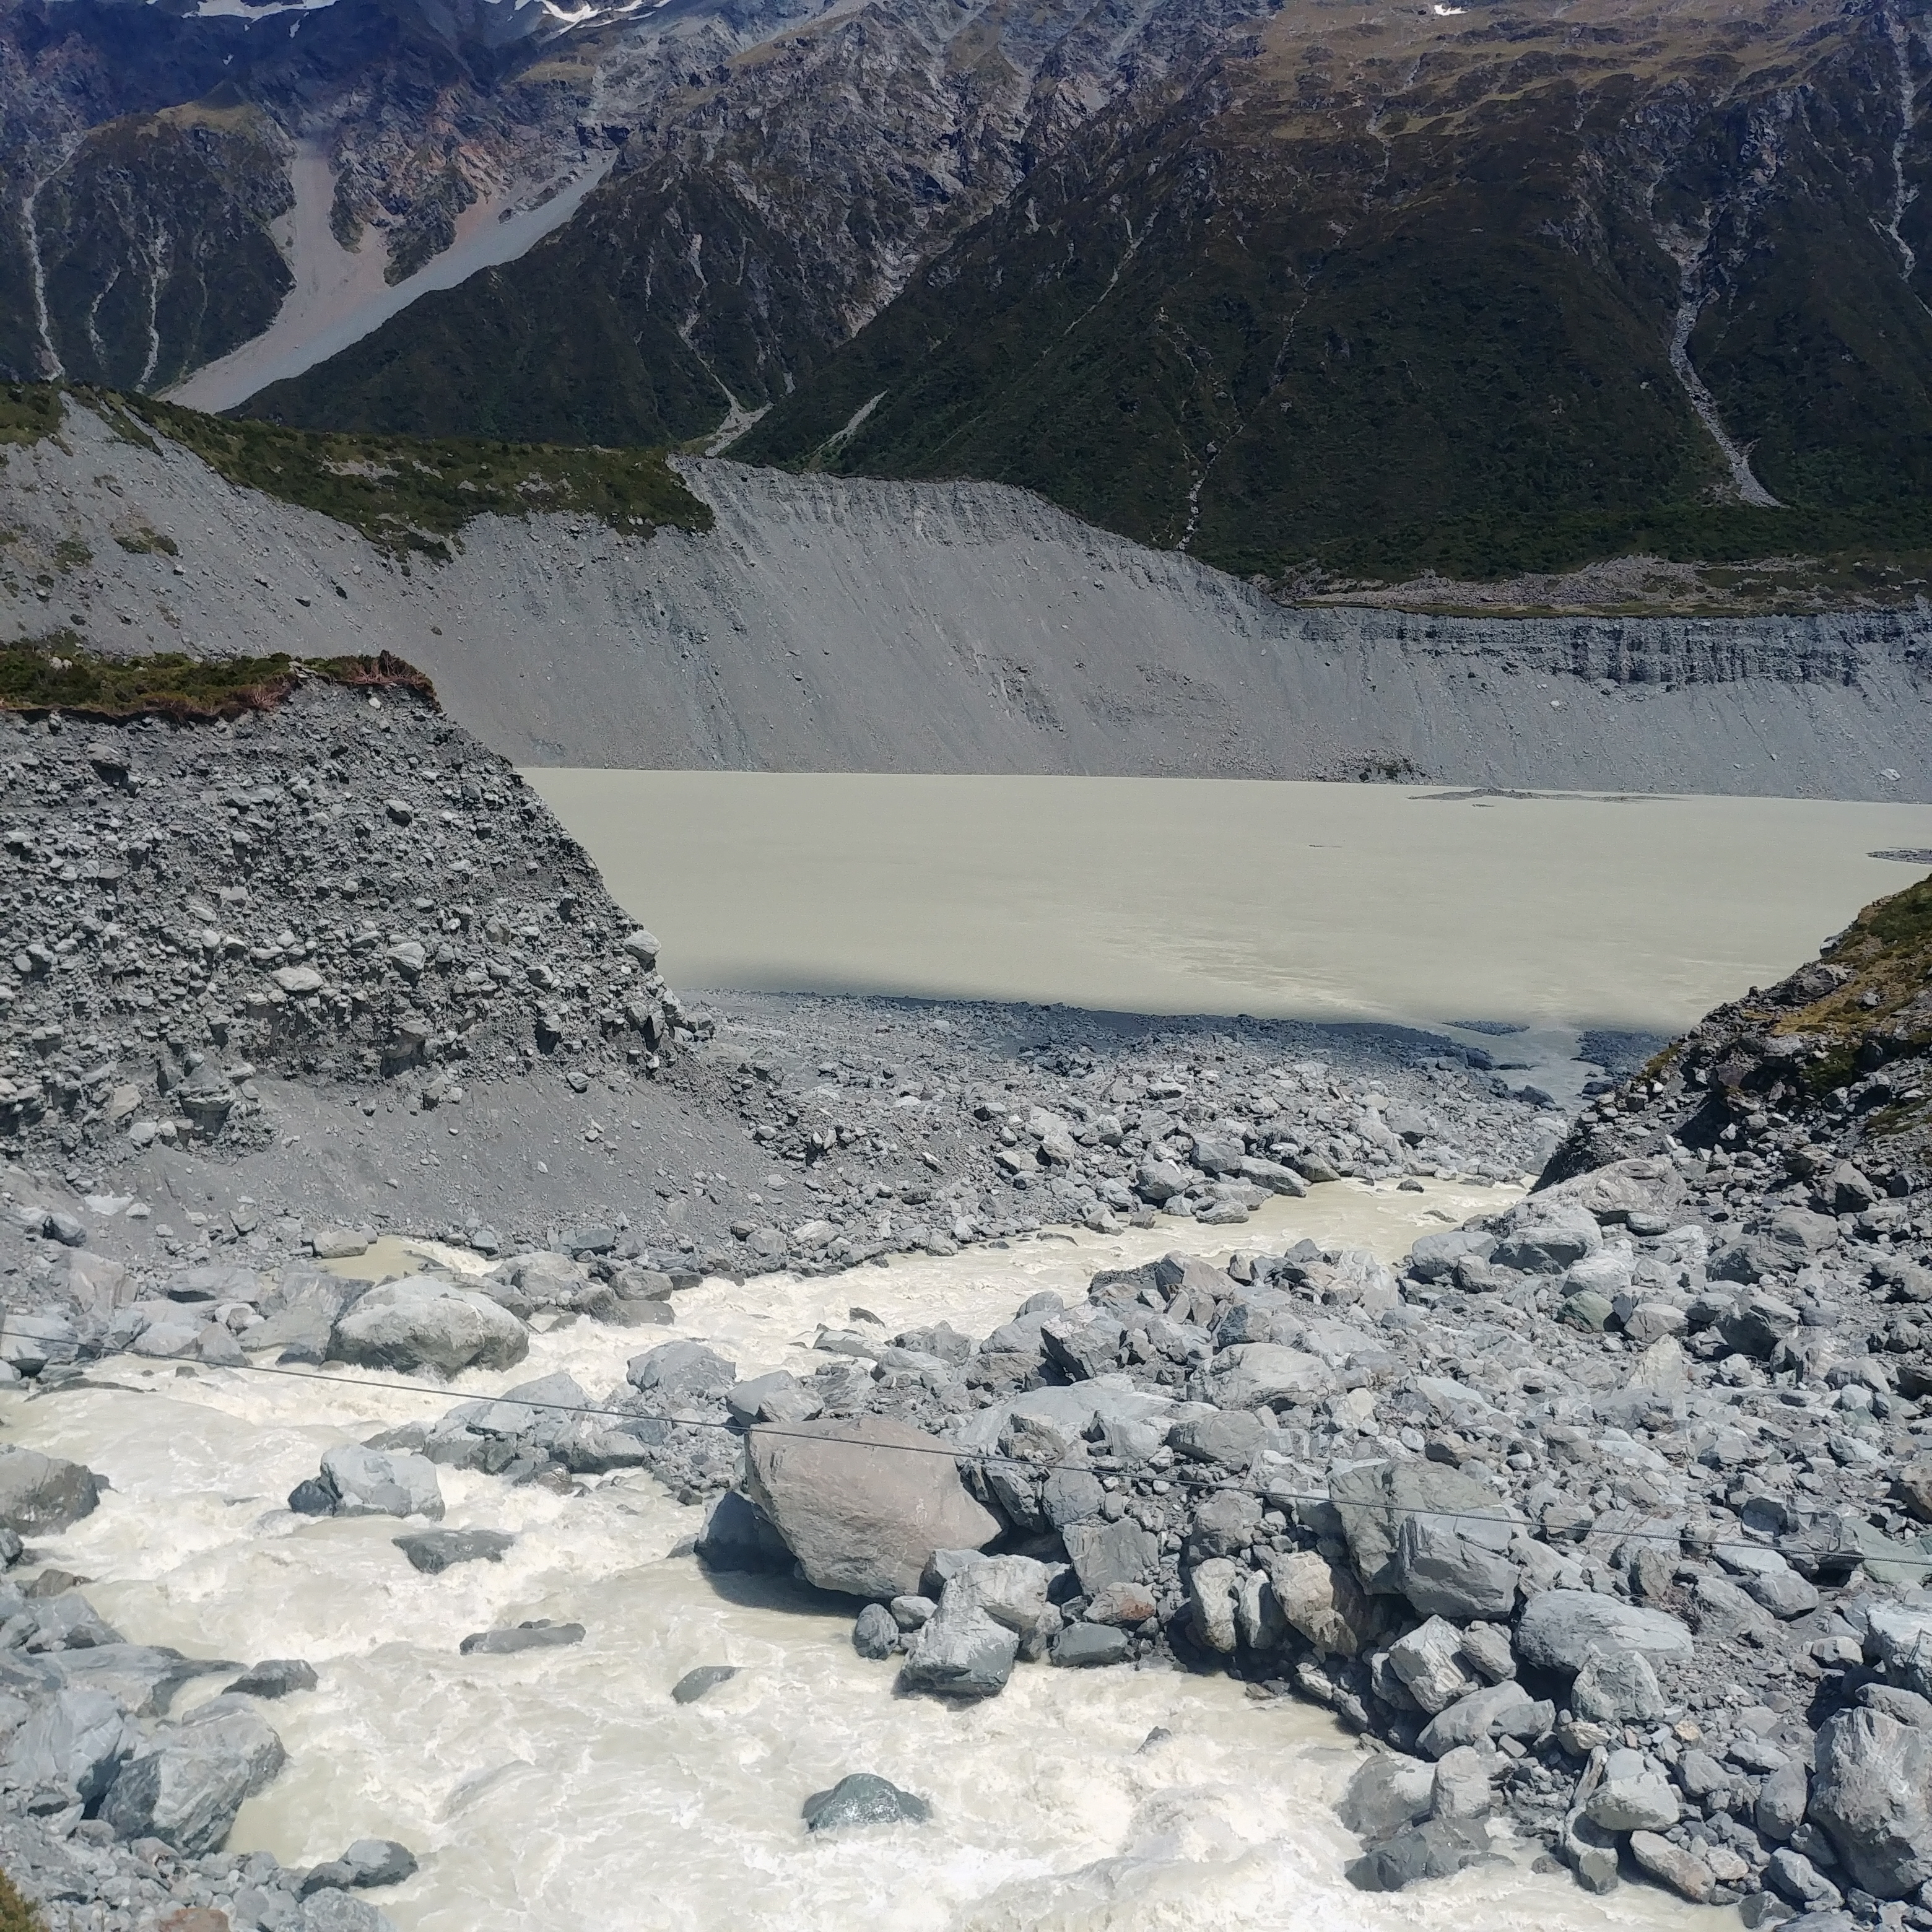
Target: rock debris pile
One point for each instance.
(347, 902)
(1193, 1122)
(344, 889)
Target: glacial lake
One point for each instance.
(1332, 902)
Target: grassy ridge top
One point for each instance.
(56, 673)
(402, 492)
(1882, 963)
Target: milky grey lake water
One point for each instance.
(1315, 901)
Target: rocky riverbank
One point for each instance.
(1603, 1517)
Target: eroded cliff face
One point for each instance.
(825, 623)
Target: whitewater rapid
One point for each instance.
(563, 1788)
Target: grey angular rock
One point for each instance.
(376, 1482)
(1012, 1590)
(41, 1493)
(1461, 1788)
(1558, 1630)
(1258, 1374)
(777, 1397)
(959, 1652)
(1782, 1799)
(1228, 1436)
(1324, 1602)
(1670, 1865)
(695, 1683)
(863, 1504)
(1621, 1688)
(1386, 1793)
(1213, 1592)
(1645, 1803)
(186, 1786)
(1104, 1554)
(876, 1634)
(1427, 1660)
(275, 1677)
(1758, 1323)
(433, 1551)
(378, 1862)
(539, 1635)
(424, 1324)
(1088, 1645)
(1547, 1238)
(76, 1738)
(338, 1911)
(1375, 1499)
(1499, 1710)
(862, 1798)
(1449, 1568)
(1439, 1849)
(1871, 1794)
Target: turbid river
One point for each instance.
(564, 1788)
(1315, 901)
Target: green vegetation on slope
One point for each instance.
(56, 673)
(29, 412)
(606, 332)
(18, 1913)
(1314, 339)
(1882, 961)
(405, 494)
(155, 243)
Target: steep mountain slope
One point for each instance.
(1332, 293)
(140, 233)
(1381, 290)
(766, 206)
(813, 623)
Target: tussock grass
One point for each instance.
(56, 673)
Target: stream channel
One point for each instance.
(563, 1788)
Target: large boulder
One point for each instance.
(1375, 1499)
(1106, 1555)
(142, 1678)
(1324, 1602)
(43, 1492)
(426, 1324)
(77, 1737)
(863, 1799)
(1498, 1710)
(1455, 1568)
(185, 1788)
(1439, 1849)
(1547, 1236)
(1386, 1793)
(960, 1651)
(681, 1369)
(1560, 1629)
(376, 1482)
(863, 1504)
(1255, 1375)
(1012, 1590)
(1872, 1795)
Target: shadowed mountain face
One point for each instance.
(1391, 290)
